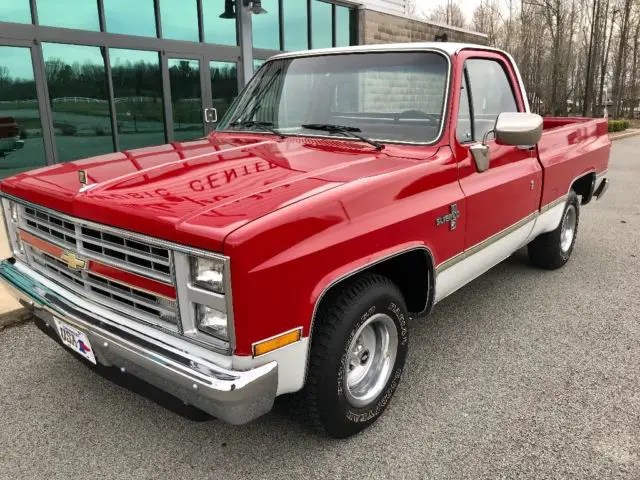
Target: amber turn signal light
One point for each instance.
(266, 346)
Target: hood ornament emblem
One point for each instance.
(82, 176)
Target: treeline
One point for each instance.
(131, 79)
(576, 57)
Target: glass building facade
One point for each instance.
(86, 77)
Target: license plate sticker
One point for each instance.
(76, 340)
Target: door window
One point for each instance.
(464, 129)
(186, 98)
(490, 94)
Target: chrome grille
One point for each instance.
(101, 244)
(138, 303)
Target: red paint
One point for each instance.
(132, 279)
(296, 214)
(40, 244)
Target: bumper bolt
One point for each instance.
(123, 370)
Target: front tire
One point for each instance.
(553, 249)
(360, 344)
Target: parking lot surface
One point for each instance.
(521, 374)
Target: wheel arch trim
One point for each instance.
(361, 268)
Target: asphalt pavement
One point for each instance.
(522, 374)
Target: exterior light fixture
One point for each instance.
(229, 11)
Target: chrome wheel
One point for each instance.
(568, 228)
(370, 358)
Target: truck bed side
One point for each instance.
(569, 149)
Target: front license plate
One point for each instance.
(76, 340)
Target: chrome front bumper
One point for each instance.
(162, 360)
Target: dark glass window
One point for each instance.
(464, 132)
(21, 146)
(224, 85)
(186, 98)
(137, 90)
(343, 26)
(17, 11)
(322, 25)
(491, 94)
(216, 29)
(295, 25)
(179, 19)
(266, 26)
(130, 18)
(81, 14)
(78, 94)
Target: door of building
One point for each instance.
(22, 110)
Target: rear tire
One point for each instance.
(359, 348)
(553, 249)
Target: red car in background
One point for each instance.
(9, 136)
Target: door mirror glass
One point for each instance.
(519, 129)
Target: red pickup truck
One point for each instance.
(344, 191)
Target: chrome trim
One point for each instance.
(190, 294)
(134, 313)
(175, 250)
(184, 371)
(554, 203)
(118, 231)
(485, 243)
(325, 52)
(514, 65)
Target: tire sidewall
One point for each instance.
(393, 306)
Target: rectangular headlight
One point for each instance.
(208, 273)
(212, 321)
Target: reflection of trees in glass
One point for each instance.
(138, 95)
(80, 90)
(224, 85)
(184, 76)
(12, 89)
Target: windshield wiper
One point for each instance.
(266, 126)
(343, 129)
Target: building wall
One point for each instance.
(378, 27)
(398, 7)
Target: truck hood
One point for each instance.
(196, 193)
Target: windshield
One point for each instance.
(390, 96)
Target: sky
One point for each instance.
(467, 6)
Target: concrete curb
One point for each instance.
(624, 135)
(13, 318)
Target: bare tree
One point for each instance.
(450, 13)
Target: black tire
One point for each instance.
(339, 319)
(546, 250)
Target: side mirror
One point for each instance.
(518, 129)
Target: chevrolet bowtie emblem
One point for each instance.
(72, 261)
(451, 218)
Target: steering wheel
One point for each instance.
(416, 114)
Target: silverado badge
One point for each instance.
(72, 261)
(451, 218)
